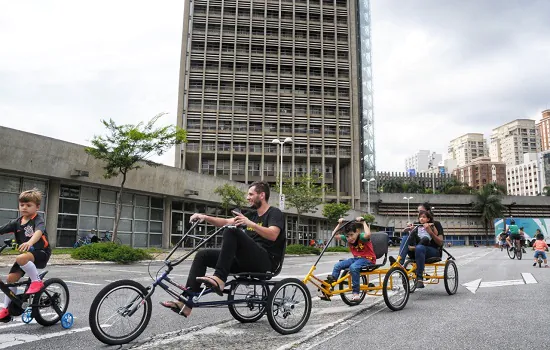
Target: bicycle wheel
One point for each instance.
(289, 306)
(409, 265)
(117, 241)
(450, 276)
(511, 253)
(51, 303)
(346, 296)
(254, 307)
(109, 318)
(519, 253)
(395, 289)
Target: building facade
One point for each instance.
(482, 171)
(510, 141)
(467, 147)
(422, 161)
(255, 71)
(544, 130)
(525, 179)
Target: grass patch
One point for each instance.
(110, 252)
(302, 249)
(338, 249)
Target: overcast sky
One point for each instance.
(441, 68)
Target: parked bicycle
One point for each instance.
(108, 237)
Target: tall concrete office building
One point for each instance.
(544, 130)
(257, 70)
(466, 148)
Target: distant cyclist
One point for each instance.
(502, 240)
(513, 234)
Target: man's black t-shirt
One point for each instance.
(23, 233)
(272, 217)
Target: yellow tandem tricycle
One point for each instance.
(392, 283)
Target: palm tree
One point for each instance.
(488, 204)
(546, 191)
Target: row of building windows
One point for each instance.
(313, 54)
(210, 146)
(298, 90)
(299, 15)
(195, 124)
(10, 188)
(271, 108)
(269, 32)
(83, 209)
(237, 167)
(313, 3)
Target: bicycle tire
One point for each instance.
(100, 330)
(402, 283)
(511, 253)
(345, 284)
(257, 309)
(450, 268)
(43, 299)
(519, 254)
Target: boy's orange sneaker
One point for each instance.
(35, 287)
(4, 313)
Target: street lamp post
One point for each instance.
(281, 143)
(368, 192)
(408, 207)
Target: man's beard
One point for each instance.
(256, 204)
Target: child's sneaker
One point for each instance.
(4, 313)
(35, 287)
(355, 297)
(534, 264)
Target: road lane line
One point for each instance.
(21, 338)
(84, 283)
(528, 278)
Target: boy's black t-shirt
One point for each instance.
(272, 217)
(23, 233)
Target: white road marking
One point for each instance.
(528, 278)
(12, 339)
(84, 283)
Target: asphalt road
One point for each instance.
(431, 319)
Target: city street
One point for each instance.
(479, 316)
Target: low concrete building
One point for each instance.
(156, 204)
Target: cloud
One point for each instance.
(64, 65)
(445, 68)
(440, 68)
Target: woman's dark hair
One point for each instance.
(540, 236)
(428, 214)
(512, 222)
(426, 206)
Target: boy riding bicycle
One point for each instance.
(540, 248)
(358, 238)
(30, 232)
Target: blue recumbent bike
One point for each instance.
(121, 310)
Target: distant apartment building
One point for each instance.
(422, 161)
(525, 179)
(544, 130)
(482, 171)
(511, 141)
(467, 147)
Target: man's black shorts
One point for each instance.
(516, 236)
(41, 258)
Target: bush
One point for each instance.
(338, 249)
(302, 249)
(110, 252)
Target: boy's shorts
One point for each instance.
(41, 258)
(542, 254)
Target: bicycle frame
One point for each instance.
(183, 294)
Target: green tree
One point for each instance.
(412, 187)
(334, 211)
(392, 186)
(369, 218)
(546, 191)
(453, 186)
(127, 147)
(231, 196)
(488, 203)
(305, 195)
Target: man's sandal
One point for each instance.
(211, 283)
(174, 306)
